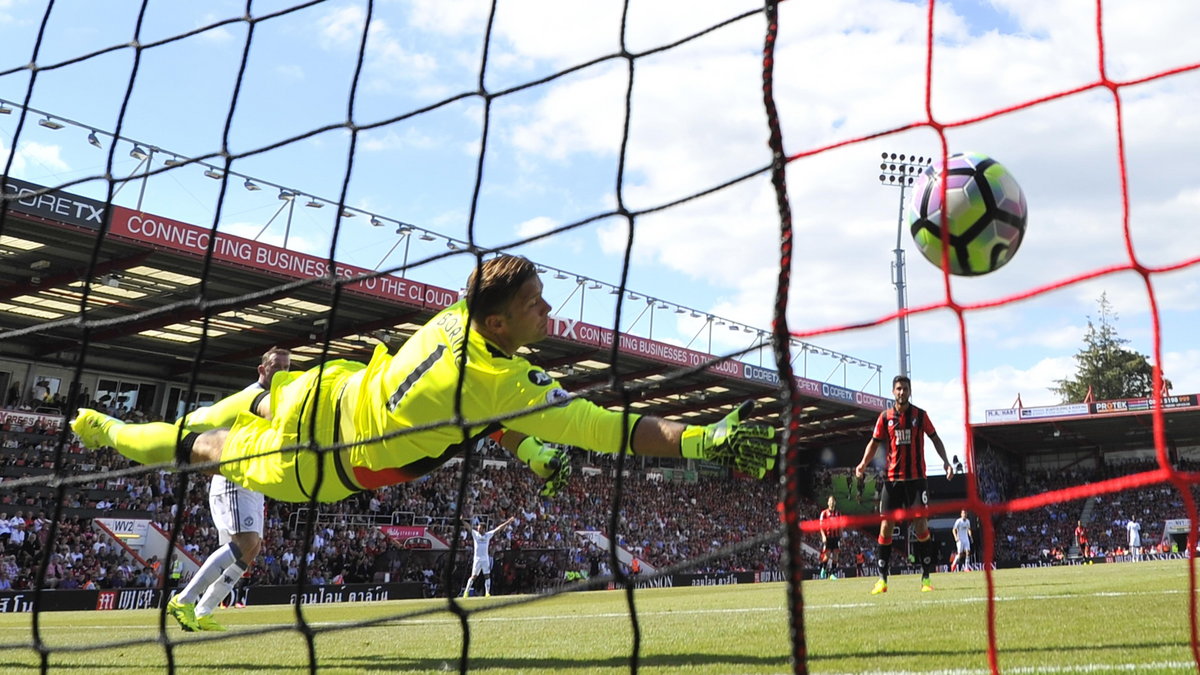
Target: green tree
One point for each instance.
(1105, 365)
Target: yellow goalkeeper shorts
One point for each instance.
(275, 457)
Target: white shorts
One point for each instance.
(234, 509)
(964, 546)
(481, 567)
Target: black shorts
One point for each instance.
(903, 494)
(832, 544)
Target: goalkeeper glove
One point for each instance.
(550, 463)
(749, 448)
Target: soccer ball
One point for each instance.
(985, 213)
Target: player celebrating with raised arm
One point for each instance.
(394, 417)
(903, 427)
(831, 540)
(482, 562)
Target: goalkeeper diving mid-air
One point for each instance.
(391, 420)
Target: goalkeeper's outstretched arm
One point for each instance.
(731, 442)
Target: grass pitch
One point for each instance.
(1126, 618)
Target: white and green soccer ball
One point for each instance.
(985, 213)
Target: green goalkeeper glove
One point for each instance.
(550, 463)
(749, 448)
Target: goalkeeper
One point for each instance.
(392, 419)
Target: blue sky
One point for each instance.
(844, 70)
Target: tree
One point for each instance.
(1105, 366)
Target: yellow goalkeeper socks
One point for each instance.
(221, 414)
(150, 443)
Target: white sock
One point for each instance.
(220, 588)
(209, 571)
(487, 585)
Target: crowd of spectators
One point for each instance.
(1047, 534)
(662, 521)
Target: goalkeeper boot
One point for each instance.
(207, 622)
(95, 429)
(183, 612)
(880, 587)
(926, 586)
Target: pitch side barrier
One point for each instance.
(152, 598)
(165, 234)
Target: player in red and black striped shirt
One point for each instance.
(903, 427)
(831, 540)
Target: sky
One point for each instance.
(854, 69)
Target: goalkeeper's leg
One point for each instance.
(151, 443)
(222, 413)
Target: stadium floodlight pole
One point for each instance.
(901, 171)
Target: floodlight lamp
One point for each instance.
(215, 174)
(347, 213)
(138, 153)
(251, 185)
(314, 204)
(175, 161)
(286, 195)
(425, 236)
(50, 124)
(5, 110)
(93, 140)
(376, 222)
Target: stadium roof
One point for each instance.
(1102, 426)
(150, 274)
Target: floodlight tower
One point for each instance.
(901, 171)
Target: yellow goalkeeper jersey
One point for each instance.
(413, 393)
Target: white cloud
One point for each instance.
(389, 139)
(47, 158)
(536, 226)
(290, 72)
(388, 60)
(222, 35)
